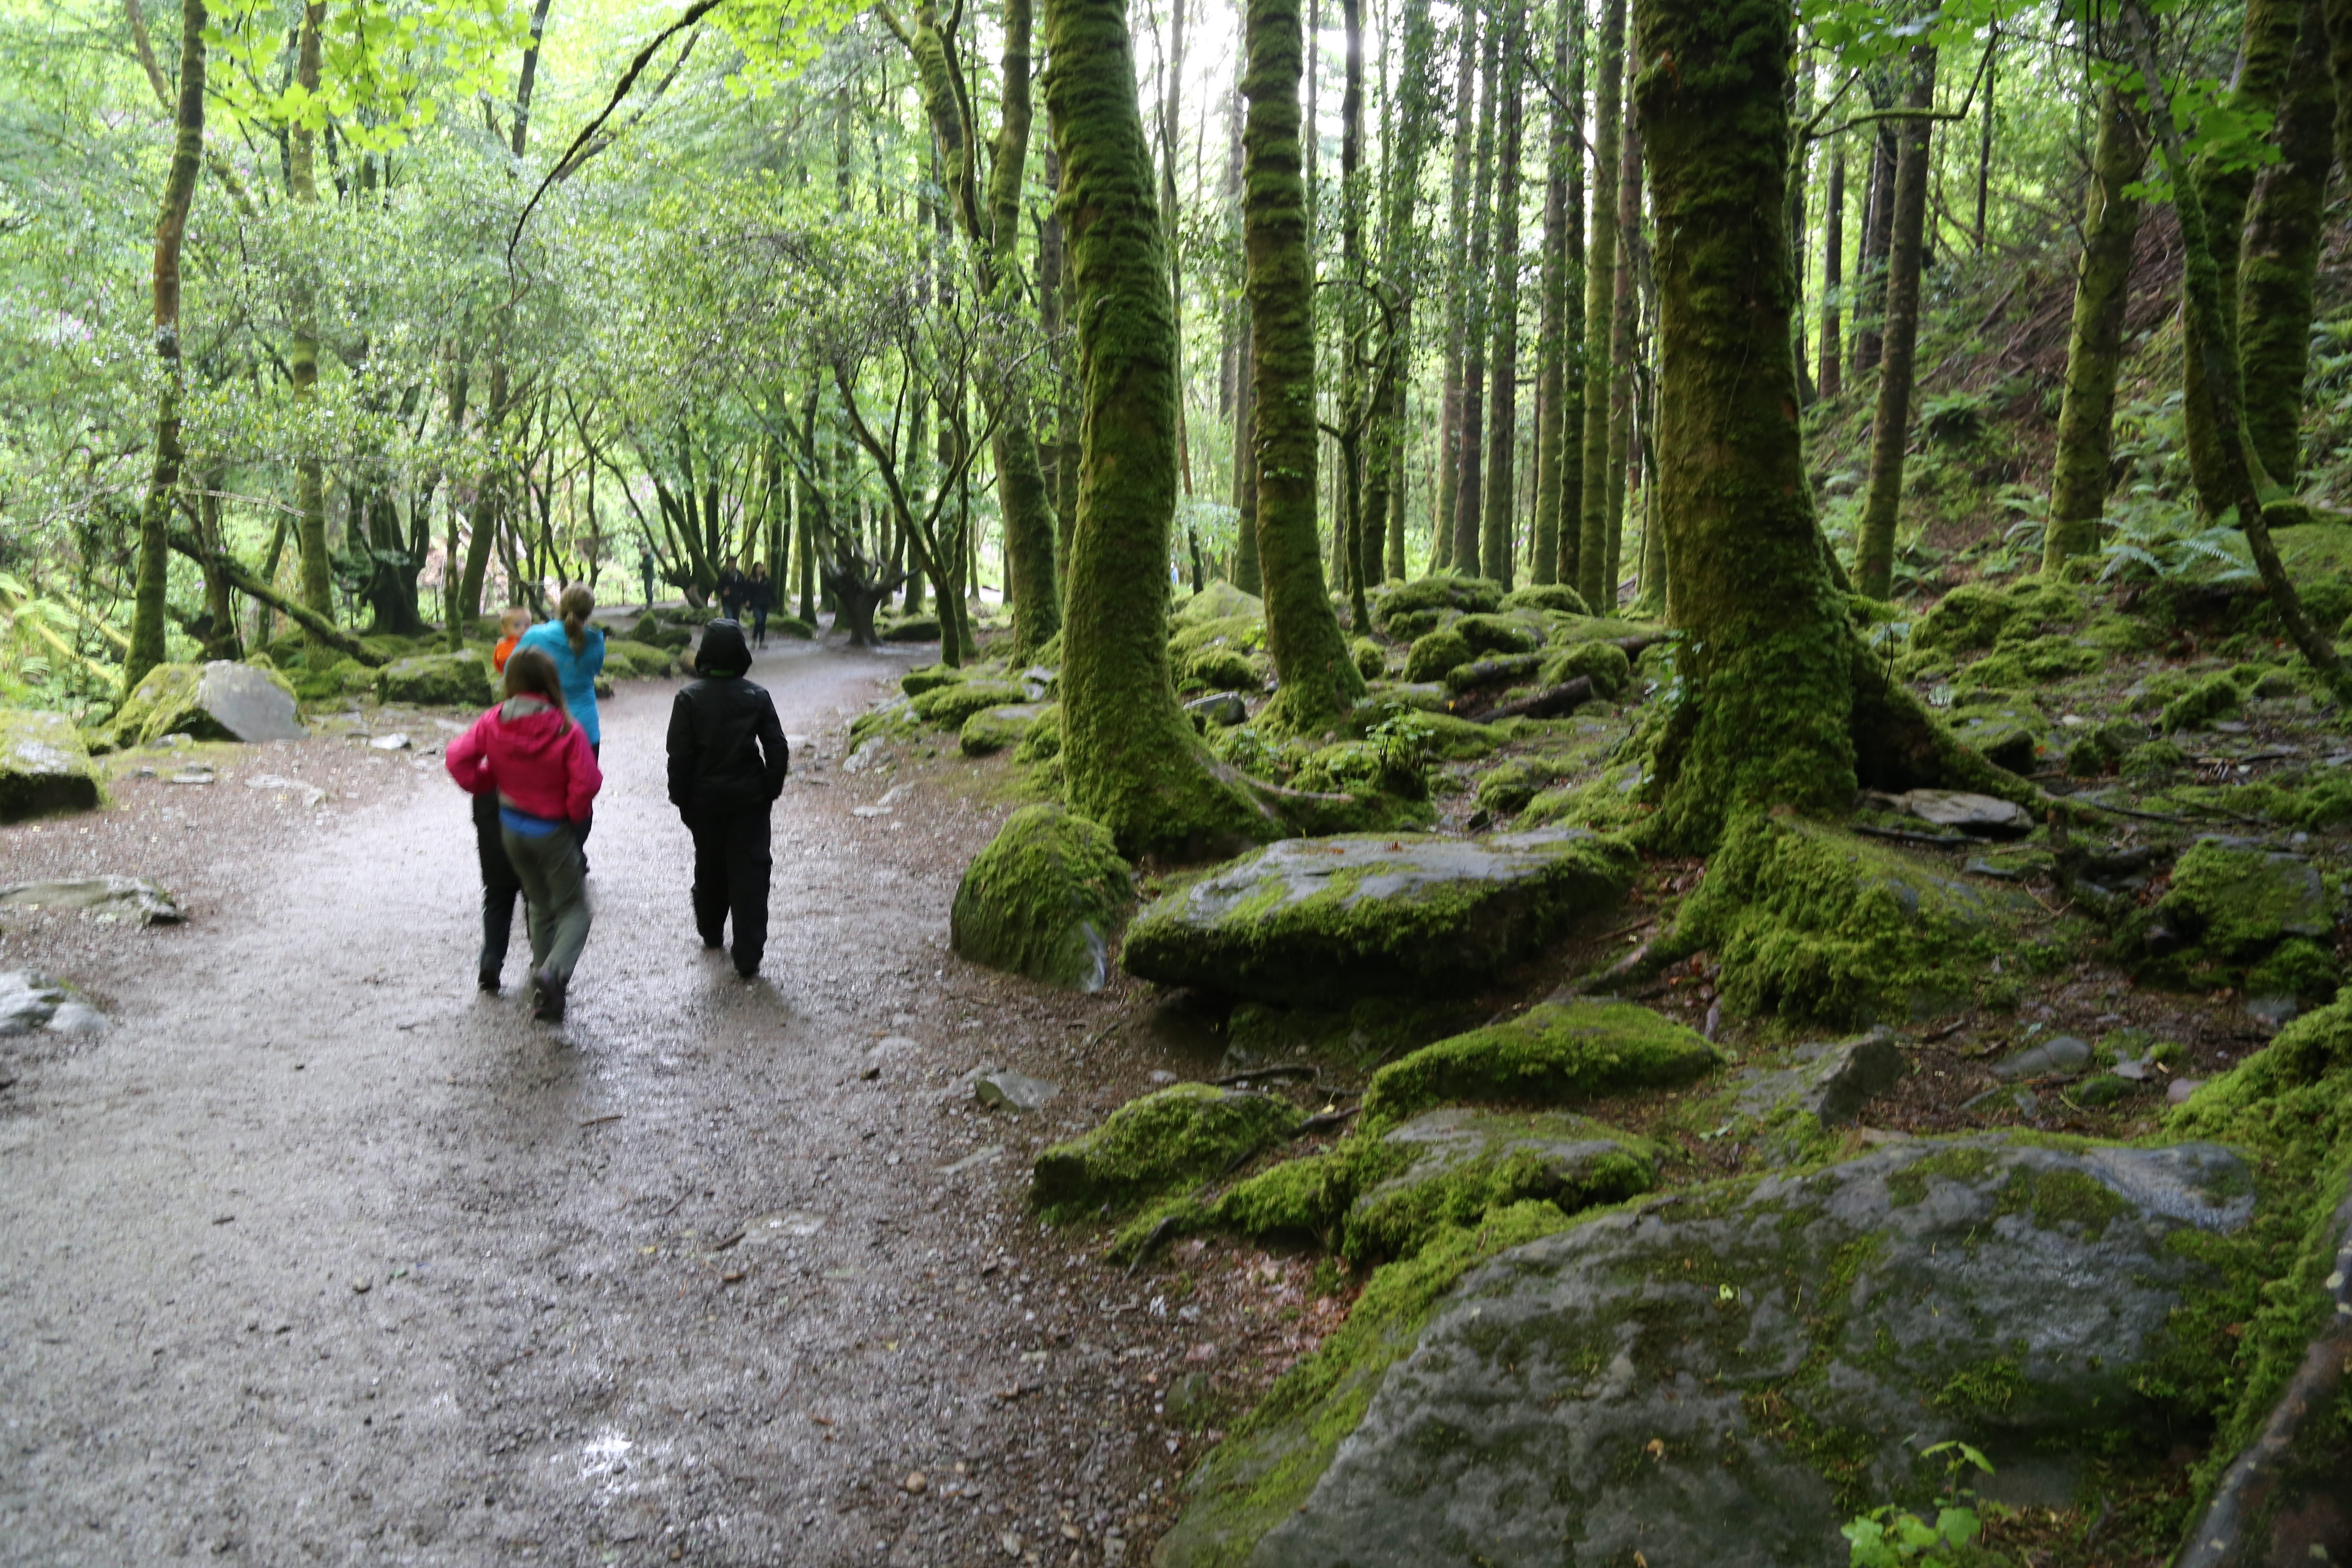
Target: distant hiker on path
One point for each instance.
(727, 764)
(500, 886)
(733, 588)
(529, 753)
(759, 599)
(577, 651)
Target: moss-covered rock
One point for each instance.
(1461, 1164)
(949, 706)
(1362, 767)
(1432, 656)
(2229, 908)
(1371, 661)
(791, 626)
(1552, 598)
(2154, 762)
(1178, 1136)
(1554, 1053)
(1044, 741)
(995, 729)
(2027, 666)
(1726, 1376)
(438, 681)
(1469, 595)
(43, 766)
(1506, 788)
(1815, 924)
(910, 629)
(1220, 600)
(1356, 1037)
(217, 701)
(1980, 615)
(1604, 664)
(1329, 920)
(1499, 634)
(2202, 703)
(930, 678)
(635, 661)
(2008, 735)
(1043, 899)
(1495, 669)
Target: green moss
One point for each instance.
(1398, 1217)
(2025, 667)
(1963, 1162)
(1604, 663)
(950, 705)
(2079, 1203)
(438, 681)
(1498, 635)
(1469, 595)
(2198, 708)
(1044, 740)
(1551, 598)
(2158, 759)
(1044, 899)
(1553, 1053)
(994, 729)
(1178, 1136)
(1505, 789)
(1371, 660)
(930, 678)
(1298, 1200)
(1442, 735)
(43, 766)
(2298, 967)
(1983, 1393)
(1430, 656)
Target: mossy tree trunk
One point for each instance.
(1832, 357)
(1319, 682)
(1623, 324)
(1358, 400)
(1133, 761)
(1551, 332)
(2279, 262)
(1449, 414)
(149, 603)
(2223, 180)
(2219, 383)
(1877, 240)
(302, 351)
(1248, 576)
(1413, 105)
(1496, 551)
(1600, 307)
(1890, 425)
(1477, 296)
(2078, 487)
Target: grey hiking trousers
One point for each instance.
(554, 880)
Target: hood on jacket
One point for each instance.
(530, 727)
(723, 650)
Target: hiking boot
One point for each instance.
(488, 981)
(551, 997)
(749, 968)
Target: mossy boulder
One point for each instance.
(2007, 734)
(1044, 740)
(1359, 1036)
(791, 626)
(1727, 1376)
(910, 629)
(217, 701)
(1043, 899)
(1603, 663)
(1468, 596)
(949, 706)
(1220, 600)
(438, 681)
(646, 628)
(1499, 634)
(1554, 1053)
(1190, 1133)
(1432, 656)
(1363, 768)
(635, 661)
(1326, 921)
(1551, 598)
(2201, 704)
(1976, 616)
(1370, 660)
(1495, 669)
(43, 766)
(994, 729)
(1460, 1164)
(1224, 669)
(2229, 908)
(930, 678)
(1506, 788)
(2026, 666)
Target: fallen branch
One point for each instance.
(310, 620)
(1565, 698)
(1934, 840)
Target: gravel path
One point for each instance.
(320, 1257)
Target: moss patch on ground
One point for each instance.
(1190, 1133)
(1555, 1053)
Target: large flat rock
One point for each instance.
(1327, 921)
(43, 766)
(1682, 1378)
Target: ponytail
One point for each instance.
(576, 605)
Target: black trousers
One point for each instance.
(500, 886)
(732, 865)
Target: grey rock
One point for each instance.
(312, 793)
(1013, 1092)
(1330, 921)
(1191, 1400)
(1830, 1082)
(1591, 1394)
(248, 703)
(2059, 1054)
(108, 896)
(1465, 1162)
(2276, 1011)
(43, 766)
(2177, 1091)
(437, 680)
(1224, 708)
(396, 742)
(1982, 815)
(77, 1018)
(27, 1001)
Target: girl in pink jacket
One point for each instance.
(537, 762)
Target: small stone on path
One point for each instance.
(1012, 1090)
(2060, 1053)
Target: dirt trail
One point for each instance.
(320, 1256)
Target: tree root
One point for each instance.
(310, 620)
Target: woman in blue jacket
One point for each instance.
(578, 650)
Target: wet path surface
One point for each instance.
(321, 1257)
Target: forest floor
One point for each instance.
(317, 1254)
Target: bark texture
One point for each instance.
(1496, 547)
(1600, 305)
(1552, 333)
(2278, 264)
(1476, 320)
(2078, 489)
(1890, 425)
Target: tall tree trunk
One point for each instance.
(1768, 719)
(1022, 499)
(2078, 482)
(489, 509)
(1497, 551)
(1877, 241)
(1890, 425)
(2202, 289)
(1476, 319)
(1067, 418)
(1623, 324)
(2223, 187)
(1415, 106)
(1320, 681)
(303, 353)
(1600, 309)
(1799, 174)
(149, 602)
(1551, 334)
(1449, 413)
(1570, 419)
(1248, 576)
(2280, 261)
(1832, 271)
(1133, 760)
(1984, 145)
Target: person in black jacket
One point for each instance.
(727, 763)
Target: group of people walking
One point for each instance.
(533, 765)
(739, 591)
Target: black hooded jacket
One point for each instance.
(726, 747)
